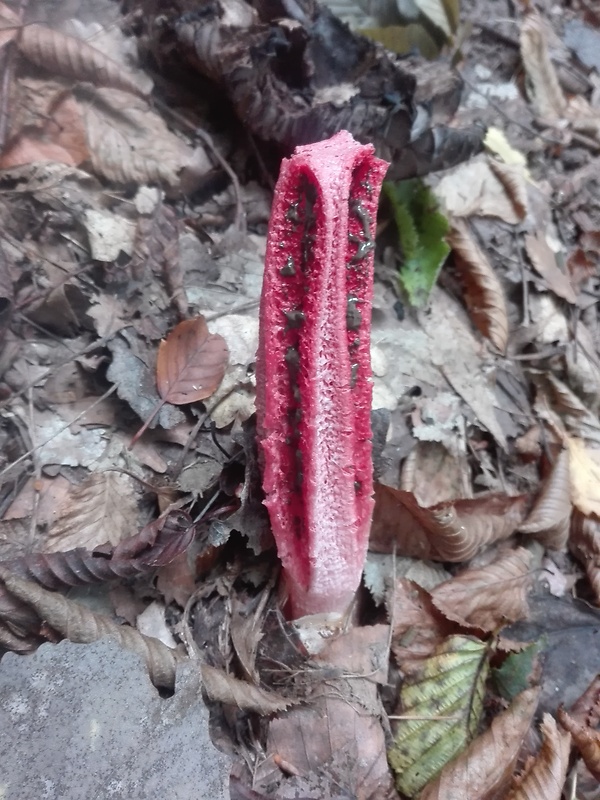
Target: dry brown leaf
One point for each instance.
(585, 477)
(544, 262)
(586, 739)
(417, 627)
(130, 143)
(103, 508)
(484, 294)
(586, 709)
(549, 520)
(584, 543)
(480, 188)
(544, 778)
(544, 89)
(489, 597)
(191, 362)
(486, 766)
(336, 738)
(31, 149)
(434, 474)
(10, 24)
(80, 625)
(445, 532)
(74, 58)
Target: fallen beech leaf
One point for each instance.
(191, 362)
(512, 177)
(544, 778)
(190, 365)
(544, 262)
(549, 519)
(442, 702)
(74, 58)
(103, 508)
(484, 294)
(487, 765)
(587, 740)
(585, 477)
(586, 709)
(418, 628)
(490, 596)
(29, 149)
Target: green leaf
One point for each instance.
(421, 230)
(444, 701)
(512, 677)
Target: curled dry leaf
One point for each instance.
(74, 58)
(587, 740)
(544, 89)
(484, 293)
(549, 520)
(80, 625)
(224, 688)
(487, 765)
(488, 597)
(544, 262)
(441, 704)
(191, 362)
(453, 531)
(512, 177)
(584, 543)
(544, 778)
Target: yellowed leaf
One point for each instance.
(487, 765)
(585, 477)
(497, 143)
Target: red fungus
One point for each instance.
(313, 371)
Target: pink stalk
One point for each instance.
(313, 371)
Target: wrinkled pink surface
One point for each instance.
(320, 519)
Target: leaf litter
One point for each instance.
(121, 223)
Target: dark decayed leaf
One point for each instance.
(421, 229)
(252, 60)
